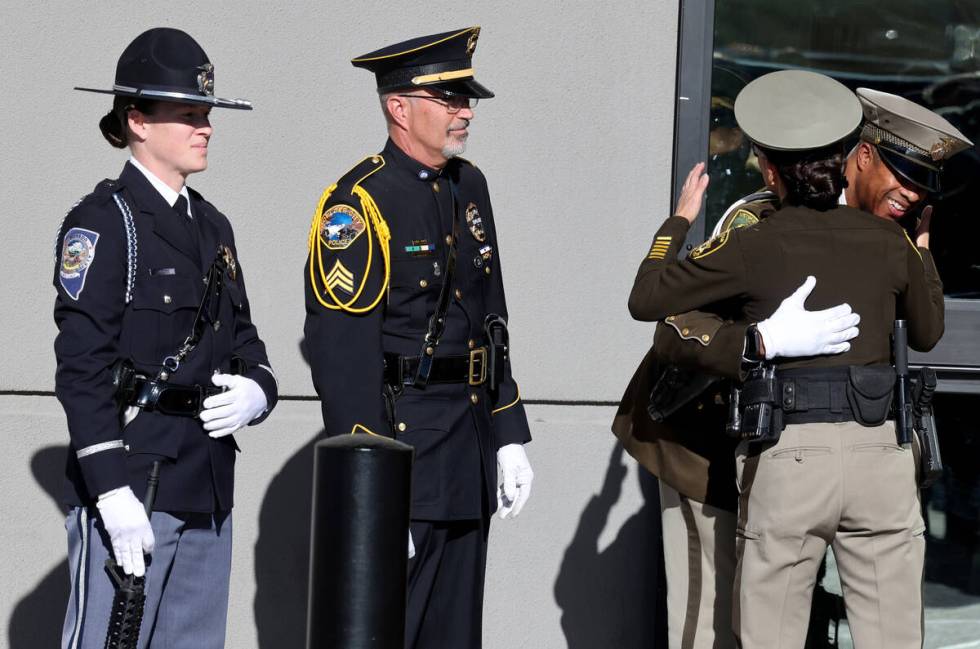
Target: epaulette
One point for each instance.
(342, 224)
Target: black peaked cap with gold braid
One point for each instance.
(443, 62)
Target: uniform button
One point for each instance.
(471, 343)
(167, 299)
(705, 338)
(486, 269)
(459, 294)
(670, 318)
(475, 398)
(449, 239)
(435, 187)
(423, 283)
(402, 426)
(685, 331)
(429, 351)
(375, 159)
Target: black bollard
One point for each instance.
(359, 544)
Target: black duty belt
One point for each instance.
(814, 395)
(468, 368)
(170, 398)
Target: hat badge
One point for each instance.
(205, 79)
(471, 43)
(941, 148)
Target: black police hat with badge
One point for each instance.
(165, 64)
(442, 62)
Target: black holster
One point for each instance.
(754, 413)
(675, 388)
(498, 349)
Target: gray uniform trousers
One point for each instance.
(186, 581)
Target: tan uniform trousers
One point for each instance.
(699, 555)
(838, 483)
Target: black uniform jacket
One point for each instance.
(454, 428)
(856, 257)
(139, 296)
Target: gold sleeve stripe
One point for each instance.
(509, 405)
(664, 238)
(914, 247)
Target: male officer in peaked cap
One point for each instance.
(406, 326)
(150, 291)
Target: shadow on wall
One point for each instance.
(616, 597)
(37, 619)
(282, 553)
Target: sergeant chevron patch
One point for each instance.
(340, 277)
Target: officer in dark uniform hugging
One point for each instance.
(158, 361)
(406, 326)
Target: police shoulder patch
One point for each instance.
(340, 226)
(742, 218)
(711, 245)
(77, 255)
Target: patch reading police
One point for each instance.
(341, 225)
(475, 223)
(340, 277)
(77, 255)
(229, 259)
(743, 218)
(710, 246)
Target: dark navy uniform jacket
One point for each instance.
(130, 289)
(454, 428)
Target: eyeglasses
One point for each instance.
(453, 103)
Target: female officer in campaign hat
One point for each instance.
(836, 474)
(155, 366)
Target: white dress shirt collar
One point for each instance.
(163, 188)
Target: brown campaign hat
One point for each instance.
(912, 140)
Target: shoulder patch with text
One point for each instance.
(77, 255)
(711, 245)
(340, 227)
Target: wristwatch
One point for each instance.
(752, 352)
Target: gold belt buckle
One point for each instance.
(478, 366)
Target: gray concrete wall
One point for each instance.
(576, 147)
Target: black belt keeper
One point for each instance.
(468, 368)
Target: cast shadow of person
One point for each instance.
(282, 550)
(616, 597)
(36, 620)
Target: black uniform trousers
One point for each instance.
(445, 584)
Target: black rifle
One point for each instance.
(127, 605)
(903, 405)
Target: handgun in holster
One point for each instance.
(753, 415)
(675, 388)
(498, 349)
(930, 460)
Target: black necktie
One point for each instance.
(181, 208)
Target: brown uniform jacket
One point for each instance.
(866, 261)
(689, 451)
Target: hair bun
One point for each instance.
(112, 129)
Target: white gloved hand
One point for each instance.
(128, 528)
(517, 476)
(794, 331)
(243, 401)
(411, 545)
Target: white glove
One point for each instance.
(128, 528)
(242, 402)
(517, 476)
(411, 545)
(794, 331)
